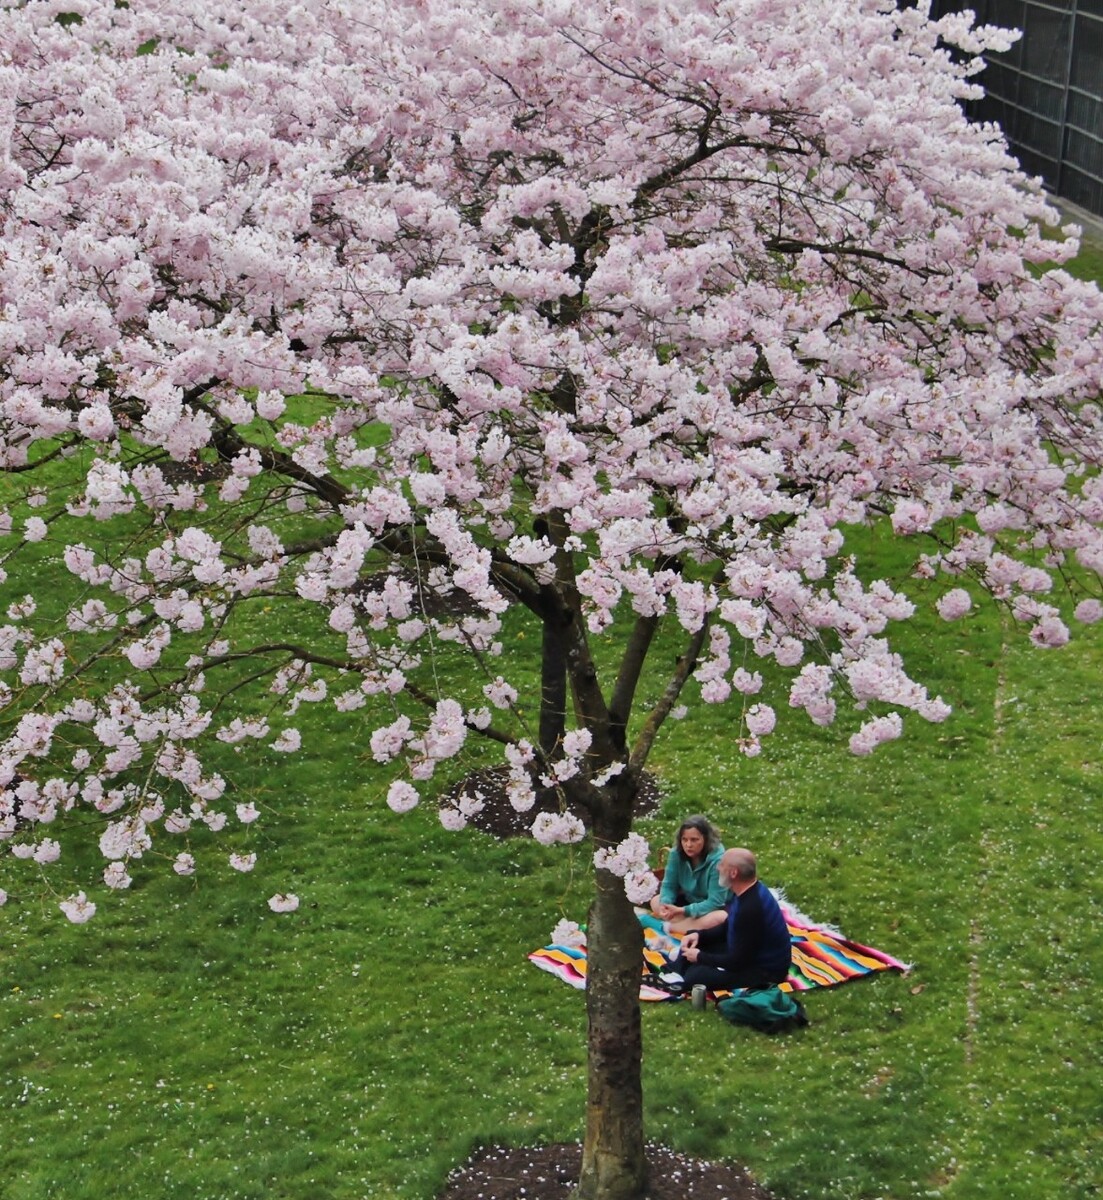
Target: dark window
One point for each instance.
(1046, 43)
(1085, 152)
(1036, 164)
(1046, 92)
(1086, 113)
(1046, 99)
(1007, 14)
(1087, 56)
(1088, 193)
(999, 81)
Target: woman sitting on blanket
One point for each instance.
(691, 887)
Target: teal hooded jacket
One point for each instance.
(697, 889)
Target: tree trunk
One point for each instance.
(613, 1166)
(553, 679)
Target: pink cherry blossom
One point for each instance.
(388, 741)
(283, 902)
(640, 886)
(876, 731)
(568, 933)
(605, 359)
(1049, 632)
(500, 694)
(447, 731)
(520, 791)
(47, 851)
(631, 854)
(35, 529)
(576, 742)
(550, 828)
(288, 741)
(78, 908)
(954, 604)
(127, 838)
(115, 875)
(402, 796)
(760, 719)
(746, 682)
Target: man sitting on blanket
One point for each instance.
(745, 944)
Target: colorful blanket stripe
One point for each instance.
(822, 957)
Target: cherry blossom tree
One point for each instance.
(421, 318)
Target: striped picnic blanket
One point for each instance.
(822, 957)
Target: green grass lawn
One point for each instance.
(1089, 262)
(190, 1043)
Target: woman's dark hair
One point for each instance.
(704, 827)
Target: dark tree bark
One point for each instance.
(613, 1164)
(553, 678)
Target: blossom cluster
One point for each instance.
(364, 332)
(628, 860)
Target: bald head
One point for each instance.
(737, 869)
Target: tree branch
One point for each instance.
(684, 667)
(631, 667)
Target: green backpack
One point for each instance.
(769, 1009)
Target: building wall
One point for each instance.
(1046, 92)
